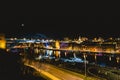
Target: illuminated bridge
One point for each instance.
(57, 46)
(87, 51)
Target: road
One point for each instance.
(108, 73)
(53, 72)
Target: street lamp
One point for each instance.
(85, 62)
(95, 58)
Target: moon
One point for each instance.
(22, 24)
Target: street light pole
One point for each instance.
(85, 62)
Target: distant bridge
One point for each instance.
(86, 51)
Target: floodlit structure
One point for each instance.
(57, 45)
(2, 41)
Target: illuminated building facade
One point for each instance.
(57, 45)
(2, 41)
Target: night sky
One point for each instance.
(61, 26)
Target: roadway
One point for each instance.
(108, 73)
(53, 72)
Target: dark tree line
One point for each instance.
(12, 68)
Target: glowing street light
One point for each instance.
(85, 62)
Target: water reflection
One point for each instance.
(107, 60)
